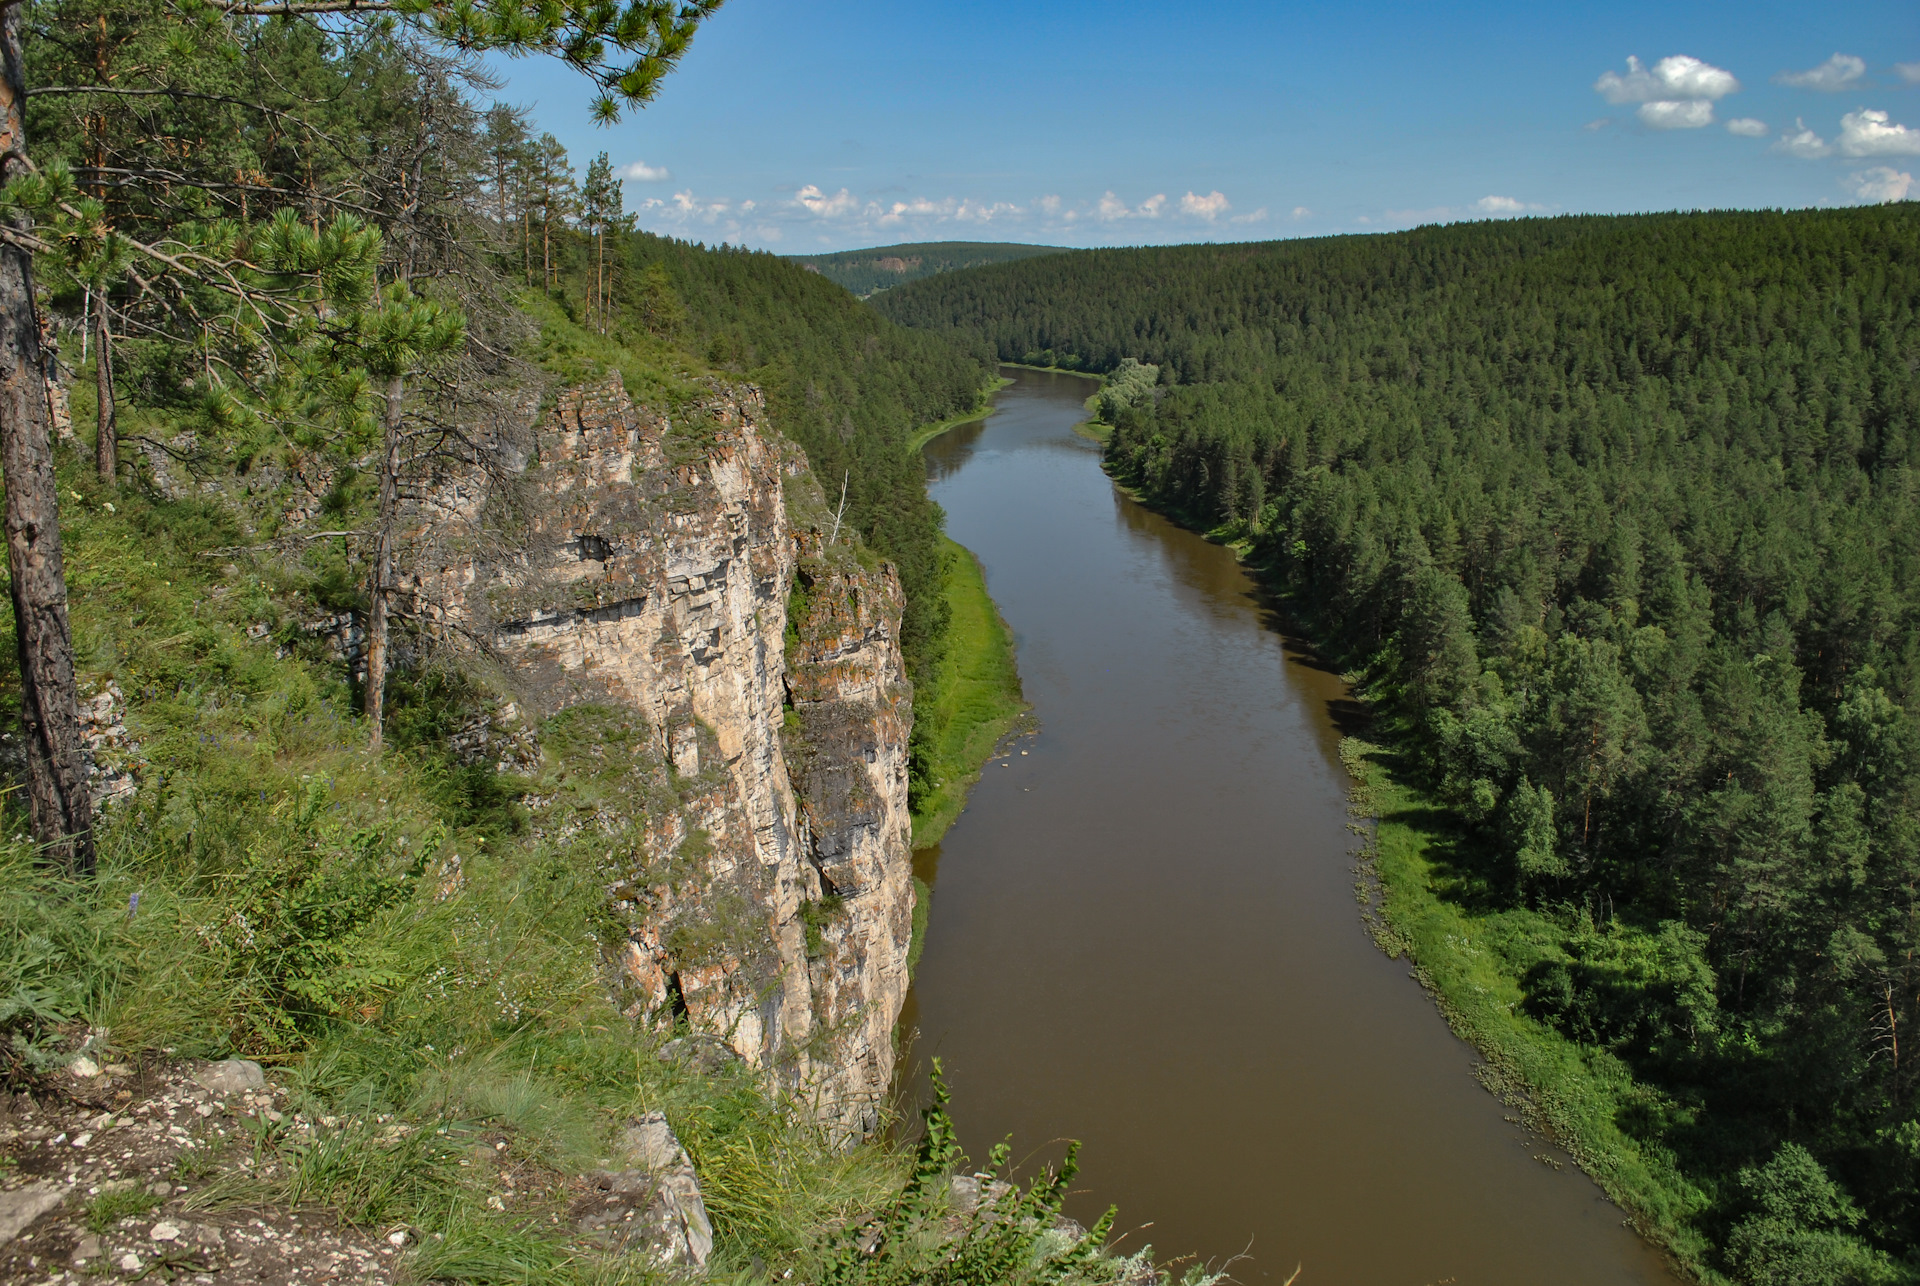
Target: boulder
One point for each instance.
(652, 1203)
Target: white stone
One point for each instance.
(83, 1067)
(232, 1076)
(164, 1231)
(22, 1206)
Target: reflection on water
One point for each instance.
(1144, 932)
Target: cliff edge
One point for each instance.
(667, 593)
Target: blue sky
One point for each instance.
(836, 124)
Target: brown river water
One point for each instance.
(1144, 933)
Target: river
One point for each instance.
(1144, 933)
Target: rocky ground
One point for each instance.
(98, 1178)
(169, 1173)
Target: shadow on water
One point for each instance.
(1144, 933)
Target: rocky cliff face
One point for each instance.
(668, 601)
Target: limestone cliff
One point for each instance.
(667, 599)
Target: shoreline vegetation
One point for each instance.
(928, 432)
(975, 702)
(1571, 1094)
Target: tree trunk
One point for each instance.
(106, 449)
(58, 797)
(382, 579)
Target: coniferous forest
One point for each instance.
(1618, 519)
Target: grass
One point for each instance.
(975, 698)
(109, 1208)
(1472, 962)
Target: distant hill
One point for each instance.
(867, 272)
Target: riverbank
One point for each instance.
(928, 432)
(975, 701)
(1472, 964)
(1472, 956)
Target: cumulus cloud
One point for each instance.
(1803, 143)
(1301, 212)
(1676, 113)
(1499, 205)
(821, 206)
(1842, 71)
(1208, 207)
(1870, 133)
(1670, 79)
(1747, 127)
(1909, 72)
(1251, 216)
(1882, 183)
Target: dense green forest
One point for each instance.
(865, 272)
(1619, 521)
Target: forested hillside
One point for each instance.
(865, 272)
(1619, 519)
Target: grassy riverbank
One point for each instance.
(975, 699)
(927, 433)
(1429, 907)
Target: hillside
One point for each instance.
(1615, 521)
(498, 638)
(866, 272)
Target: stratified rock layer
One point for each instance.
(650, 573)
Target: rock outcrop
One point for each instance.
(668, 601)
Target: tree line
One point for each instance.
(1620, 517)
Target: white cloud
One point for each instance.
(822, 206)
(1837, 73)
(1676, 113)
(1747, 127)
(1110, 208)
(1301, 212)
(1251, 216)
(1869, 133)
(1909, 72)
(1803, 143)
(641, 172)
(1208, 207)
(1600, 123)
(1498, 205)
(1881, 183)
(1677, 77)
